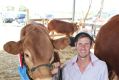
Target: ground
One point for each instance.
(8, 66)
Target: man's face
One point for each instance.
(83, 47)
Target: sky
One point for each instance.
(44, 7)
(63, 4)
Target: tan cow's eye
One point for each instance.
(26, 55)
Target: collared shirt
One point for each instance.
(96, 70)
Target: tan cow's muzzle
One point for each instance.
(44, 78)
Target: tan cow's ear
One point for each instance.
(12, 47)
(61, 43)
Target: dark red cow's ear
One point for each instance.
(12, 47)
(61, 43)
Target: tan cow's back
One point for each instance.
(63, 27)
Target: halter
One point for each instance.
(50, 66)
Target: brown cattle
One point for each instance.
(62, 27)
(38, 48)
(107, 44)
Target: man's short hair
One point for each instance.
(83, 34)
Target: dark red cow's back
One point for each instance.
(107, 44)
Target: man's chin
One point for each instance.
(83, 56)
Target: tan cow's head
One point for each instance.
(37, 47)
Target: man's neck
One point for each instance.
(83, 63)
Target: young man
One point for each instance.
(85, 65)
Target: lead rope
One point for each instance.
(57, 76)
(60, 74)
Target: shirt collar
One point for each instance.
(93, 58)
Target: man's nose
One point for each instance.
(83, 46)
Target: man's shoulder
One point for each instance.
(100, 64)
(97, 61)
(70, 62)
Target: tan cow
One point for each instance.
(107, 44)
(38, 48)
(62, 27)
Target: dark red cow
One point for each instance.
(107, 44)
(63, 27)
(38, 49)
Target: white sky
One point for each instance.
(44, 7)
(61, 3)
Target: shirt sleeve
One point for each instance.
(64, 74)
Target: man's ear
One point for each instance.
(72, 44)
(13, 47)
(75, 44)
(61, 43)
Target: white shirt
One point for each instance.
(96, 70)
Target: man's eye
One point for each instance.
(87, 43)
